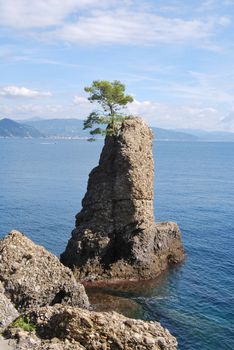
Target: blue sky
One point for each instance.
(175, 57)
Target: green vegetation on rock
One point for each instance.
(112, 99)
(24, 323)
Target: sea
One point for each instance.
(42, 183)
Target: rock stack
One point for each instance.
(115, 235)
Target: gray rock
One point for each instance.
(32, 276)
(4, 345)
(22, 340)
(115, 235)
(8, 312)
(59, 327)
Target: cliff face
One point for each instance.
(115, 235)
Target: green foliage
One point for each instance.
(112, 99)
(24, 323)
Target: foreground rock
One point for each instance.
(115, 235)
(8, 312)
(64, 327)
(32, 276)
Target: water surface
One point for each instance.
(42, 184)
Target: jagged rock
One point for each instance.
(17, 339)
(8, 312)
(32, 276)
(64, 327)
(20, 340)
(115, 235)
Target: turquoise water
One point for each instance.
(42, 185)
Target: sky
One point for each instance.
(176, 58)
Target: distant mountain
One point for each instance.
(172, 135)
(214, 136)
(74, 128)
(10, 128)
(59, 127)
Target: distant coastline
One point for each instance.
(72, 129)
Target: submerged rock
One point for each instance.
(65, 327)
(115, 235)
(102, 301)
(32, 276)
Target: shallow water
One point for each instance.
(42, 185)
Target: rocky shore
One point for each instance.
(35, 314)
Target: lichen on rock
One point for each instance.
(116, 236)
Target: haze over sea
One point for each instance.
(42, 185)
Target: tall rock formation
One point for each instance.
(115, 235)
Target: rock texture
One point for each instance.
(8, 312)
(115, 235)
(63, 327)
(33, 277)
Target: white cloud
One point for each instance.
(156, 114)
(198, 88)
(39, 13)
(82, 106)
(228, 120)
(25, 111)
(44, 111)
(107, 21)
(224, 21)
(181, 117)
(16, 91)
(121, 26)
(81, 100)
